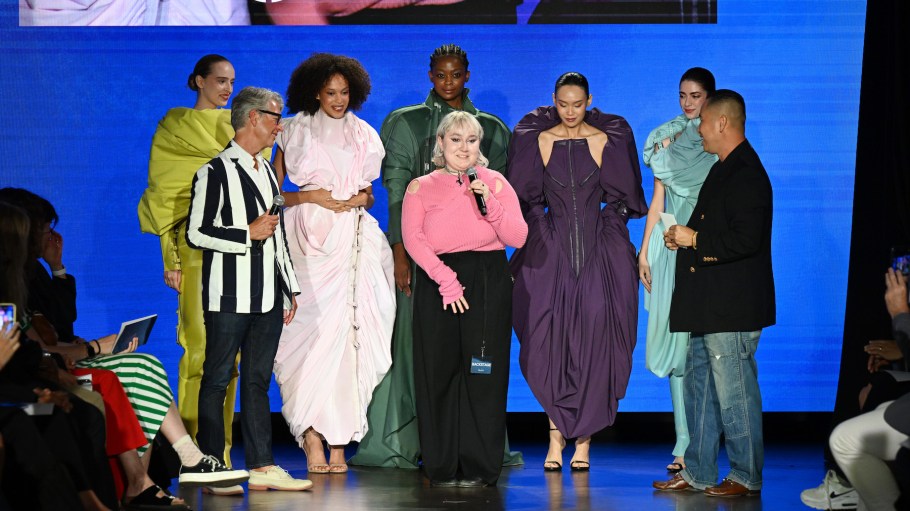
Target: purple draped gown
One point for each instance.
(575, 300)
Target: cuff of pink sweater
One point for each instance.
(494, 209)
(451, 291)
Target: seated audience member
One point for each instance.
(836, 491)
(864, 445)
(143, 379)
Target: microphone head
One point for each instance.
(278, 200)
(472, 173)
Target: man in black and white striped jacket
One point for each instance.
(248, 283)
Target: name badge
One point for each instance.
(481, 365)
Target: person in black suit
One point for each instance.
(724, 296)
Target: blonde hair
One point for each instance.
(458, 119)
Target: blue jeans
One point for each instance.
(722, 396)
(256, 335)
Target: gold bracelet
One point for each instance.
(695, 241)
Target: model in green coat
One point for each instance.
(409, 134)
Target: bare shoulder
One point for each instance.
(414, 186)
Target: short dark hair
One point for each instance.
(204, 68)
(700, 76)
(313, 73)
(449, 50)
(731, 101)
(572, 78)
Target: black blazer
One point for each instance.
(727, 285)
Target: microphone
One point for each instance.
(277, 202)
(481, 202)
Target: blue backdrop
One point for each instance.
(80, 105)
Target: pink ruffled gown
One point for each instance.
(338, 347)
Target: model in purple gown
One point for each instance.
(575, 301)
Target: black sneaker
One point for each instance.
(211, 472)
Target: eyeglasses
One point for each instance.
(276, 115)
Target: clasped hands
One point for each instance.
(678, 236)
(324, 198)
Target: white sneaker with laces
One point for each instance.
(831, 494)
(226, 491)
(277, 478)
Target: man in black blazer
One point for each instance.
(724, 296)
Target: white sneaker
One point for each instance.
(831, 494)
(276, 478)
(226, 491)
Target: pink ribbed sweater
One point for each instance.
(441, 217)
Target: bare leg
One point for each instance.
(582, 458)
(554, 454)
(337, 463)
(315, 453)
(172, 427)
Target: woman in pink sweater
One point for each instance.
(462, 305)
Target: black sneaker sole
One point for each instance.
(220, 483)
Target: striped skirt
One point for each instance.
(145, 382)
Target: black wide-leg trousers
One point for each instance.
(462, 416)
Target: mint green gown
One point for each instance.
(681, 167)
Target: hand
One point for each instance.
(887, 350)
(678, 236)
(52, 251)
(480, 188)
(324, 198)
(66, 379)
(875, 363)
(402, 269)
(172, 279)
(59, 398)
(357, 201)
(895, 293)
(289, 313)
(9, 342)
(644, 270)
(263, 227)
(106, 344)
(459, 306)
(665, 142)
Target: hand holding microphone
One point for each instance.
(264, 227)
(480, 191)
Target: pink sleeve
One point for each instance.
(504, 213)
(415, 242)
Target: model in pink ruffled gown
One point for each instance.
(338, 347)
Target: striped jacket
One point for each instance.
(237, 275)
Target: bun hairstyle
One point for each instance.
(700, 76)
(203, 68)
(572, 78)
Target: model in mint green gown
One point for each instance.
(681, 167)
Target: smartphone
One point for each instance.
(7, 314)
(900, 261)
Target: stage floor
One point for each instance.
(620, 479)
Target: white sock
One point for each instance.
(189, 454)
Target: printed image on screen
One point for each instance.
(343, 12)
(82, 105)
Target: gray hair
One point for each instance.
(458, 119)
(249, 99)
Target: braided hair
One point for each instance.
(449, 50)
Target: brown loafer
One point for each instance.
(675, 484)
(728, 488)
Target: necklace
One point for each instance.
(451, 172)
